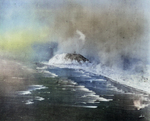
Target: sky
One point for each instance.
(25, 22)
(20, 13)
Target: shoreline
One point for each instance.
(112, 81)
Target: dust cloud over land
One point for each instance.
(113, 34)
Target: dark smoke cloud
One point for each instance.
(114, 33)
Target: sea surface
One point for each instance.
(63, 94)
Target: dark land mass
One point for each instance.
(77, 57)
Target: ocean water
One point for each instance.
(74, 95)
(139, 80)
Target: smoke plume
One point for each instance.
(113, 34)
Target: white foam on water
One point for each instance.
(138, 105)
(136, 80)
(86, 106)
(29, 102)
(86, 89)
(91, 95)
(31, 88)
(36, 87)
(41, 68)
(39, 98)
(88, 95)
(24, 92)
(50, 74)
(45, 72)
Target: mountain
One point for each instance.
(68, 58)
(76, 57)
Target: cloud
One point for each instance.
(112, 32)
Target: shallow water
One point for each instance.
(74, 95)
